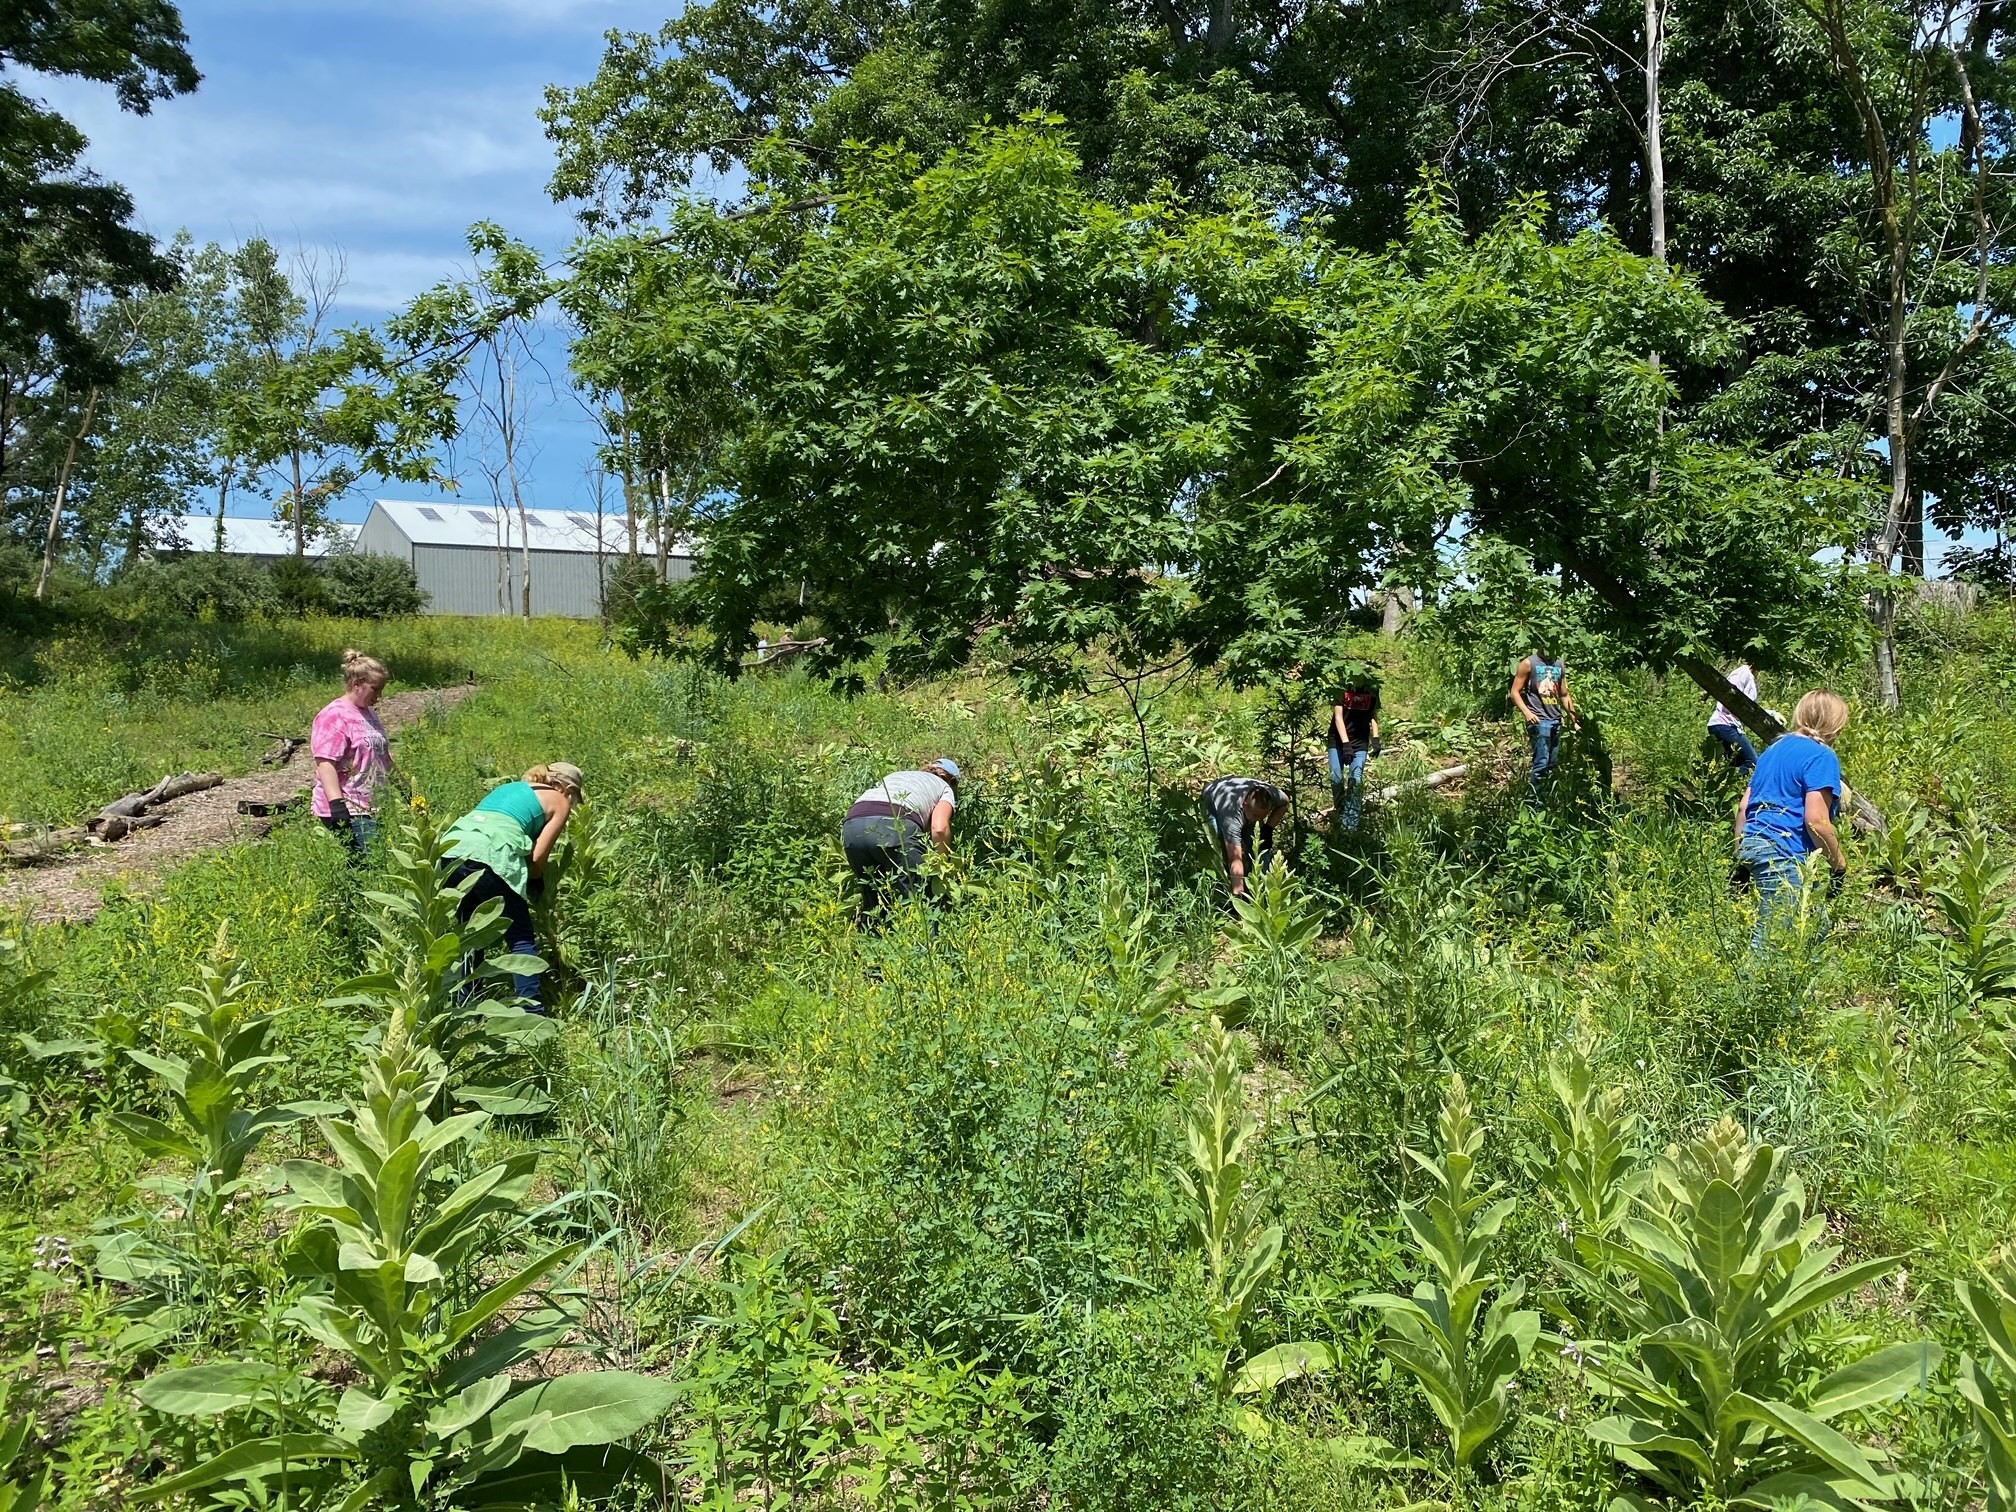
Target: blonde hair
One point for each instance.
(359, 669)
(1820, 714)
(563, 775)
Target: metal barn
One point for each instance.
(469, 559)
(257, 539)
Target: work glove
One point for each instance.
(339, 812)
(1376, 747)
(1836, 882)
(1740, 879)
(537, 887)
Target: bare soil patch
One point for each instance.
(70, 889)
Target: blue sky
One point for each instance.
(382, 128)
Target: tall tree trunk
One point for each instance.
(1914, 534)
(55, 530)
(223, 494)
(300, 511)
(664, 514)
(1398, 607)
(1655, 151)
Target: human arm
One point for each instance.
(1235, 863)
(1338, 733)
(941, 826)
(1568, 702)
(1742, 809)
(556, 821)
(1820, 825)
(329, 777)
(1521, 679)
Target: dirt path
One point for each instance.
(70, 889)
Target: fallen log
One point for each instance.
(1432, 780)
(135, 804)
(256, 808)
(282, 750)
(33, 849)
(119, 826)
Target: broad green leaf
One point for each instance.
(1282, 1363)
(466, 1406)
(205, 1390)
(262, 1458)
(597, 1472)
(1815, 1435)
(505, 1292)
(595, 1407)
(1875, 1379)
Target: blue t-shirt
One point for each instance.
(1792, 767)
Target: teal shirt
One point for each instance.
(499, 832)
(518, 799)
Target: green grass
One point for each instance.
(953, 1146)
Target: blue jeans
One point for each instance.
(362, 830)
(1546, 751)
(1741, 751)
(1351, 801)
(1781, 890)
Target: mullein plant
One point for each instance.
(395, 1249)
(1989, 1385)
(1705, 1293)
(1464, 1351)
(1239, 1246)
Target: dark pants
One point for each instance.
(886, 856)
(520, 938)
(1546, 751)
(1741, 751)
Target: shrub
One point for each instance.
(368, 585)
(204, 585)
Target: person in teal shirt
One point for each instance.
(500, 849)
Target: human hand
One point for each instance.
(1837, 881)
(1740, 879)
(339, 810)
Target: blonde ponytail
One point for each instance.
(359, 669)
(1820, 715)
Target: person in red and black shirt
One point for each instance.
(1354, 739)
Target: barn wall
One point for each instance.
(464, 579)
(381, 537)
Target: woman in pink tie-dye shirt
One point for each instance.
(352, 758)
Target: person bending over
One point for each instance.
(1787, 811)
(1540, 693)
(885, 832)
(1235, 807)
(500, 849)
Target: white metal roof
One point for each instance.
(485, 525)
(247, 535)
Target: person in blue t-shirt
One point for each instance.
(1788, 809)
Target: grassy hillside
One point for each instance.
(956, 1215)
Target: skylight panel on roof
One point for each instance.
(431, 514)
(583, 521)
(532, 519)
(484, 516)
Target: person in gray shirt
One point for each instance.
(1234, 807)
(886, 830)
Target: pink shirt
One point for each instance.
(355, 740)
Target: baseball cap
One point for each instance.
(949, 767)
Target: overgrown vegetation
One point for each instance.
(1475, 1161)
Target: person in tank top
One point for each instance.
(1540, 694)
(499, 850)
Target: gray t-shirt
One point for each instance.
(1225, 804)
(918, 792)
